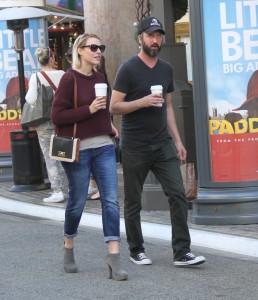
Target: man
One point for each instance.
(148, 123)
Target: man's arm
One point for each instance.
(172, 128)
(118, 105)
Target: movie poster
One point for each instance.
(231, 50)
(10, 106)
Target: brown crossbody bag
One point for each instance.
(65, 148)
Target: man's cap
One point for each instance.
(252, 92)
(150, 25)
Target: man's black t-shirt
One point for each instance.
(145, 126)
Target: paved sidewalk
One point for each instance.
(241, 239)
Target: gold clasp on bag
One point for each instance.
(61, 154)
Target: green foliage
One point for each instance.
(136, 36)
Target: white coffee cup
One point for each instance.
(157, 89)
(101, 89)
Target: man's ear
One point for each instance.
(139, 39)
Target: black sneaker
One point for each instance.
(140, 259)
(189, 259)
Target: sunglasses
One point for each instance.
(94, 47)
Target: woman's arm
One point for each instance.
(32, 94)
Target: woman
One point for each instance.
(93, 190)
(54, 169)
(97, 154)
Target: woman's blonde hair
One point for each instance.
(44, 55)
(80, 41)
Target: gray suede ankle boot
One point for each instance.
(114, 266)
(69, 262)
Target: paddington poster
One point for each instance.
(10, 105)
(231, 51)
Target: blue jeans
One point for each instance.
(162, 160)
(101, 162)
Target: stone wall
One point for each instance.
(113, 21)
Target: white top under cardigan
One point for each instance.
(32, 94)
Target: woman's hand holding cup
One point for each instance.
(97, 104)
(101, 102)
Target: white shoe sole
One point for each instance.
(198, 261)
(53, 200)
(142, 262)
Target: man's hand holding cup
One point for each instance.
(158, 90)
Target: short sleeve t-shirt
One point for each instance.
(146, 126)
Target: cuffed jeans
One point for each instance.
(101, 162)
(162, 160)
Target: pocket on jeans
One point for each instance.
(169, 150)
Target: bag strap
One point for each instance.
(38, 81)
(75, 106)
(49, 80)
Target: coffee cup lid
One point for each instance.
(101, 85)
(156, 87)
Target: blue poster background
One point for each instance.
(230, 28)
(10, 113)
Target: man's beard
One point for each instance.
(150, 52)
